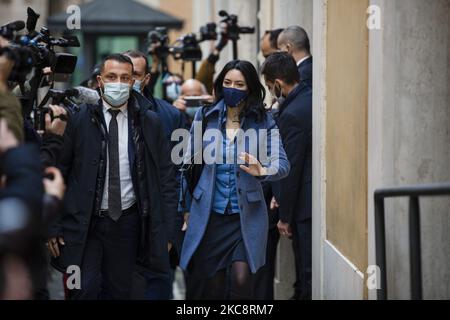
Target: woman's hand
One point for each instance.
(254, 166)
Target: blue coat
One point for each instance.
(253, 211)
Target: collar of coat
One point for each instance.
(291, 96)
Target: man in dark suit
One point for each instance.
(159, 286)
(293, 194)
(295, 41)
(121, 197)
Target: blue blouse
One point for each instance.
(225, 196)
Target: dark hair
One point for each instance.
(273, 37)
(116, 57)
(280, 65)
(138, 54)
(256, 92)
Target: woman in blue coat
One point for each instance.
(226, 236)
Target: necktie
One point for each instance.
(114, 194)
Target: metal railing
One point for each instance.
(413, 192)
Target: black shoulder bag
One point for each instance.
(191, 172)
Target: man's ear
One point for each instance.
(99, 81)
(289, 47)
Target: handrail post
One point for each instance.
(415, 249)
(380, 239)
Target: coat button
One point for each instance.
(238, 174)
(240, 190)
(91, 191)
(94, 162)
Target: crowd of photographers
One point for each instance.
(67, 156)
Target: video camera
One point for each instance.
(159, 40)
(22, 57)
(34, 52)
(208, 32)
(188, 50)
(185, 48)
(36, 49)
(233, 30)
(59, 97)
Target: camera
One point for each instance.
(42, 46)
(195, 101)
(59, 97)
(233, 29)
(208, 32)
(22, 56)
(36, 51)
(185, 48)
(158, 41)
(189, 49)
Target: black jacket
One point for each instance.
(305, 70)
(171, 118)
(83, 165)
(293, 193)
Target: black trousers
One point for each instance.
(302, 245)
(263, 288)
(109, 258)
(263, 280)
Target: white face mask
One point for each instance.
(137, 86)
(173, 91)
(116, 93)
(280, 98)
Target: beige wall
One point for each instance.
(346, 127)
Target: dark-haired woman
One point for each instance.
(226, 236)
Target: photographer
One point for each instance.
(29, 162)
(22, 222)
(193, 96)
(159, 51)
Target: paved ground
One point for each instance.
(55, 286)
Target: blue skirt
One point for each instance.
(222, 244)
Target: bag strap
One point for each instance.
(183, 189)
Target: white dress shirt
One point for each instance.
(126, 184)
(301, 60)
